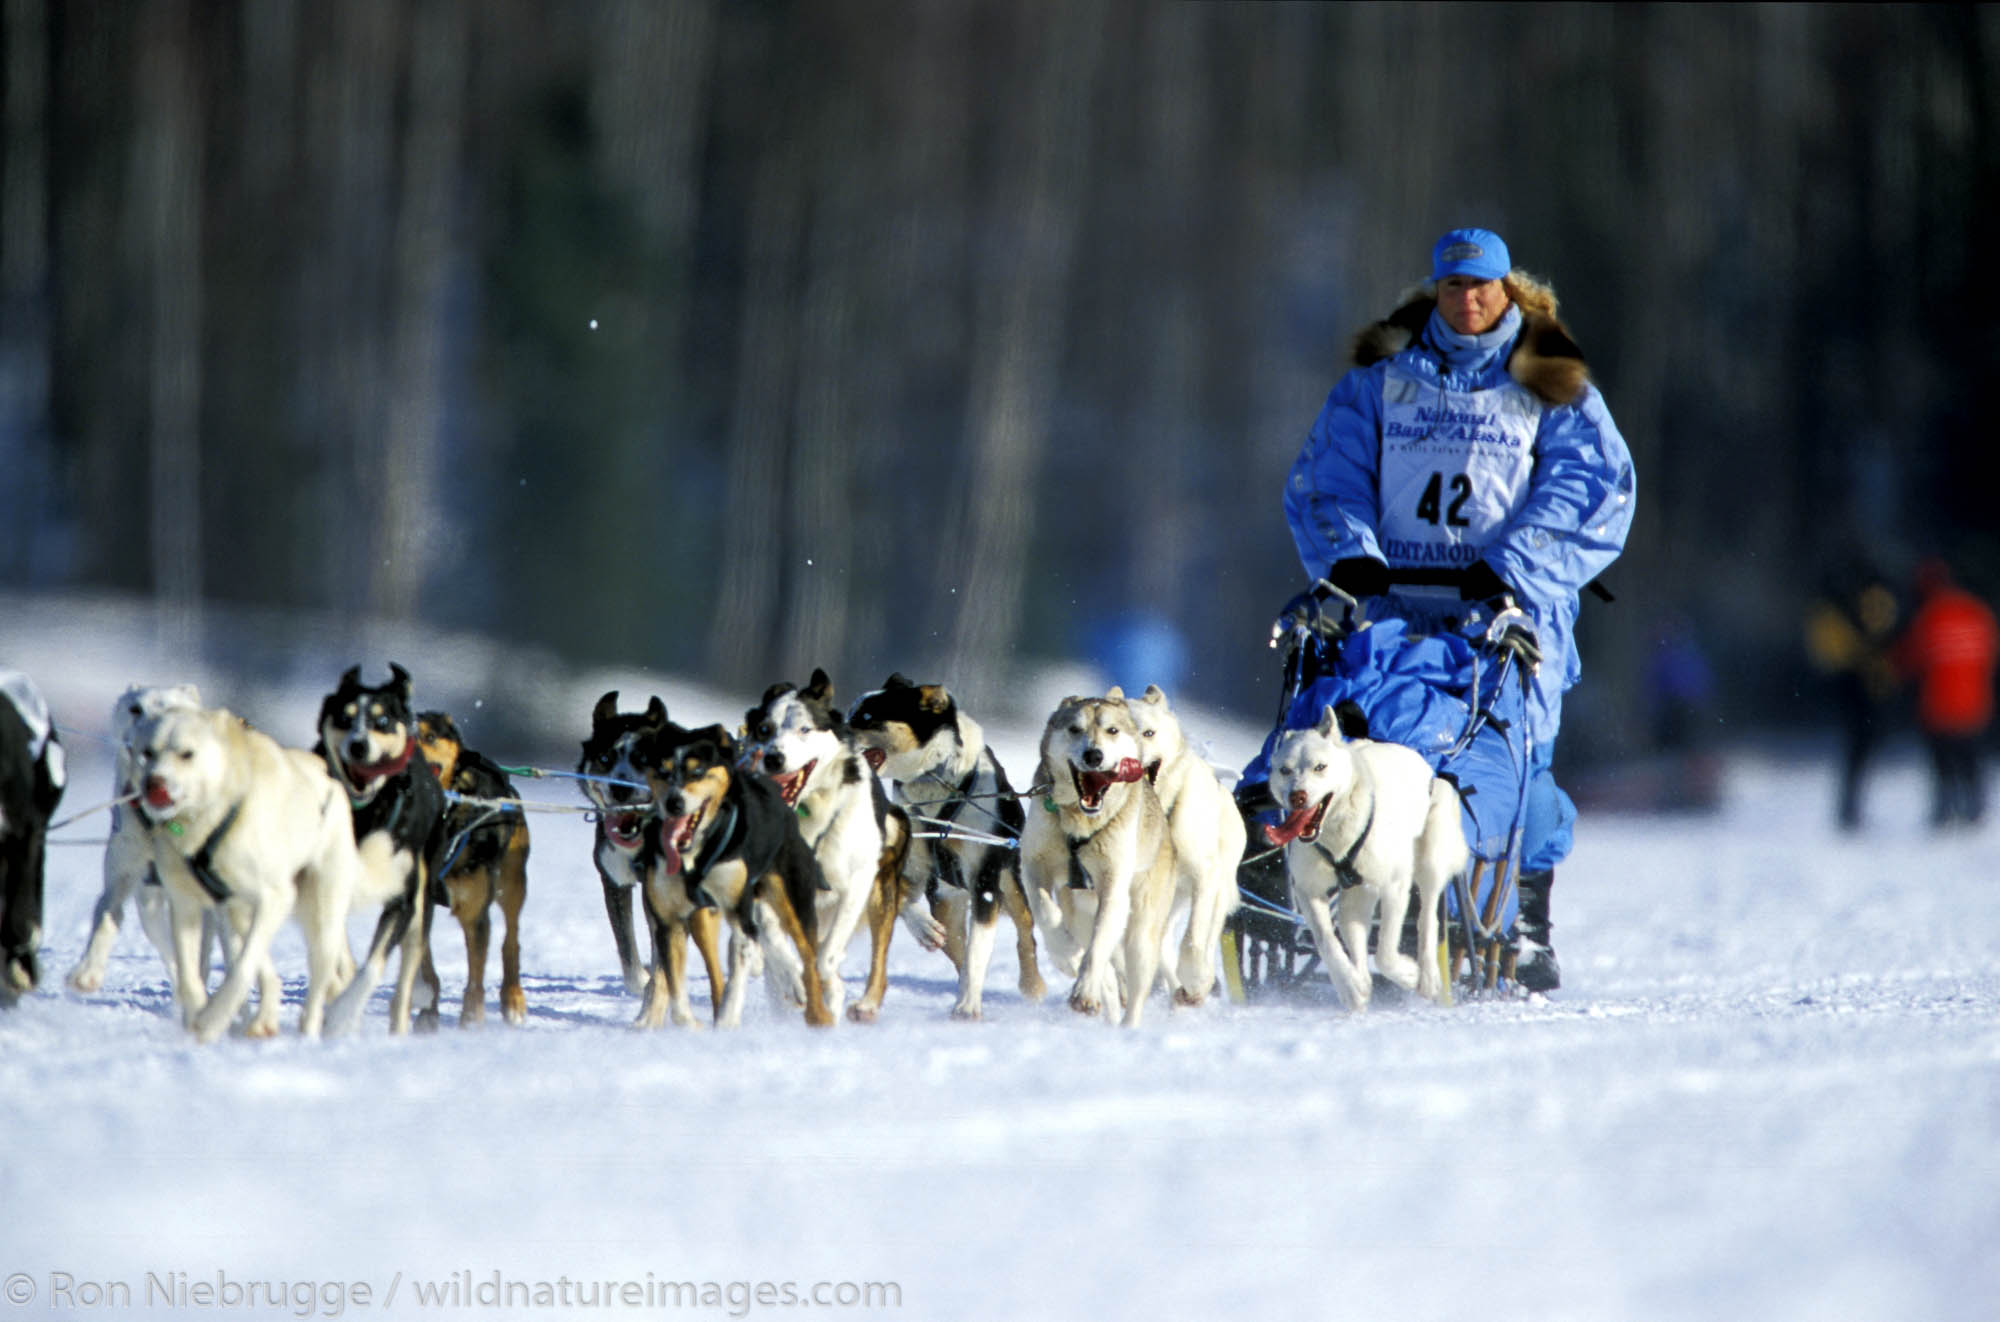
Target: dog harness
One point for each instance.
(1343, 866)
(202, 862)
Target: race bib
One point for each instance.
(1455, 467)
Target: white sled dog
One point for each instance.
(1096, 859)
(260, 832)
(1364, 822)
(1208, 835)
(128, 856)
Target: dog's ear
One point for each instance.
(656, 712)
(1329, 724)
(1154, 693)
(401, 678)
(606, 708)
(897, 680)
(1115, 693)
(351, 678)
(933, 698)
(774, 692)
(821, 687)
(1352, 720)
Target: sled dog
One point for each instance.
(258, 832)
(960, 803)
(628, 857)
(801, 740)
(729, 837)
(625, 847)
(128, 855)
(486, 859)
(32, 776)
(368, 739)
(1096, 859)
(1364, 821)
(1208, 835)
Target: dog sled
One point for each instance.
(1455, 692)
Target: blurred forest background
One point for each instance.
(951, 335)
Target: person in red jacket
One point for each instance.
(1949, 651)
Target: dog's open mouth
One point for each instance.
(793, 783)
(363, 775)
(157, 795)
(677, 837)
(874, 757)
(1301, 823)
(625, 828)
(1093, 783)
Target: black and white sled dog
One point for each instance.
(1098, 861)
(32, 776)
(729, 837)
(1364, 822)
(368, 739)
(801, 740)
(628, 854)
(626, 845)
(257, 833)
(1208, 835)
(966, 822)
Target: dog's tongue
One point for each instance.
(1129, 770)
(1294, 826)
(670, 857)
(157, 796)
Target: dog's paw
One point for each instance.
(928, 931)
(967, 1012)
(83, 978)
(635, 981)
(425, 1020)
(261, 1027)
(1032, 986)
(1192, 1000)
(1095, 993)
(861, 1012)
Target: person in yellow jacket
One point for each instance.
(1848, 631)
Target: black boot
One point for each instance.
(1535, 967)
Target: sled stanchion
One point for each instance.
(1489, 920)
(1232, 970)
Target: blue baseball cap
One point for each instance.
(1481, 254)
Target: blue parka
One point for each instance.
(1497, 448)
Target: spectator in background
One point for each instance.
(1680, 684)
(1848, 633)
(1949, 652)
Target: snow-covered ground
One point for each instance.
(1770, 1088)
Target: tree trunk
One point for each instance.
(1018, 345)
(167, 164)
(411, 514)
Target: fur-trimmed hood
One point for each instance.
(1544, 357)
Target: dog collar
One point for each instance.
(372, 772)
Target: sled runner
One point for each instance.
(1454, 689)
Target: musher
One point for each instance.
(1468, 443)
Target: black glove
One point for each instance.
(1359, 576)
(1480, 583)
